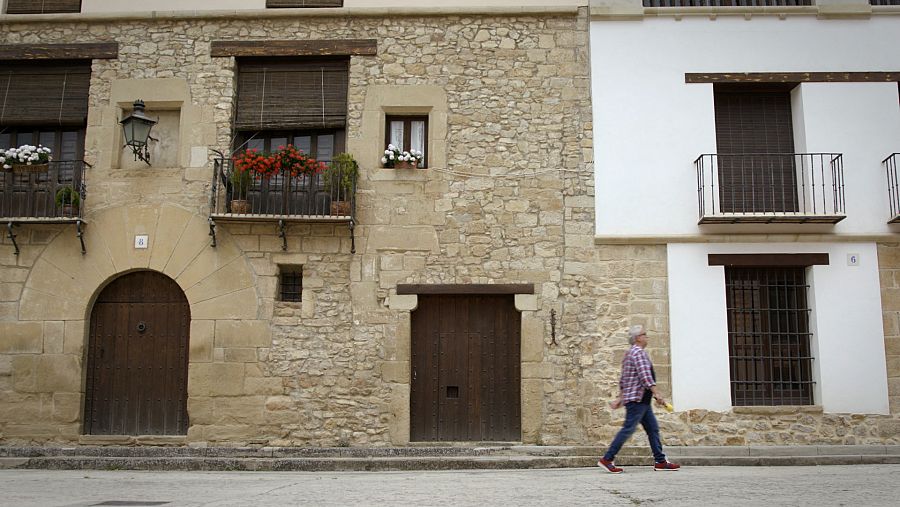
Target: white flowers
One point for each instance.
(25, 154)
(393, 156)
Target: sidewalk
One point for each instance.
(873, 485)
(460, 457)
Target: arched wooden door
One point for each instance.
(138, 358)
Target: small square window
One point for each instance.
(408, 133)
(290, 281)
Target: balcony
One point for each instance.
(890, 167)
(282, 199)
(770, 188)
(55, 196)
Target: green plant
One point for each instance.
(240, 181)
(341, 175)
(67, 196)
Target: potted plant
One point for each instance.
(396, 158)
(26, 158)
(67, 201)
(340, 181)
(290, 159)
(245, 167)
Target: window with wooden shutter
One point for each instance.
(51, 94)
(292, 94)
(755, 145)
(275, 4)
(42, 6)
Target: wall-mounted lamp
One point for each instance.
(137, 127)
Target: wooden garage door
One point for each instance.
(138, 358)
(465, 369)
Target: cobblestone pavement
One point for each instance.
(868, 485)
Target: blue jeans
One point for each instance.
(635, 413)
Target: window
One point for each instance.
(728, 3)
(290, 283)
(42, 6)
(768, 335)
(755, 145)
(275, 4)
(299, 101)
(408, 133)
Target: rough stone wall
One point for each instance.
(889, 269)
(513, 197)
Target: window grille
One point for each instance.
(291, 281)
(768, 336)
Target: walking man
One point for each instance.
(637, 386)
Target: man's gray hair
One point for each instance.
(633, 332)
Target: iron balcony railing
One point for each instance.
(321, 197)
(890, 168)
(57, 194)
(766, 188)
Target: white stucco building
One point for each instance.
(753, 143)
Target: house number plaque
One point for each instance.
(141, 241)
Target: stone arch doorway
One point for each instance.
(137, 359)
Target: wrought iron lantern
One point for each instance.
(137, 127)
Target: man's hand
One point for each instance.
(616, 403)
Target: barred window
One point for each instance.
(290, 280)
(768, 336)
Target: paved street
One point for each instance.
(867, 485)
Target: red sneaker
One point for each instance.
(666, 466)
(609, 466)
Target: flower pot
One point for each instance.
(404, 165)
(240, 206)
(340, 208)
(33, 168)
(68, 211)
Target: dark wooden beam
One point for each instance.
(336, 47)
(793, 77)
(88, 50)
(462, 288)
(769, 260)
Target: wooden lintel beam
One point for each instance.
(463, 288)
(88, 50)
(769, 260)
(262, 48)
(793, 77)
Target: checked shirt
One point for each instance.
(636, 374)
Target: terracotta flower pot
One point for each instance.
(340, 208)
(33, 168)
(240, 206)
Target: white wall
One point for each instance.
(92, 6)
(848, 339)
(650, 125)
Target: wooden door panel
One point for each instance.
(137, 358)
(466, 372)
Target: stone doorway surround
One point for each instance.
(63, 285)
(532, 352)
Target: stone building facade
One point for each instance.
(506, 199)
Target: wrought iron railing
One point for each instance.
(57, 193)
(791, 187)
(281, 195)
(727, 3)
(890, 168)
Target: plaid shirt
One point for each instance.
(636, 374)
